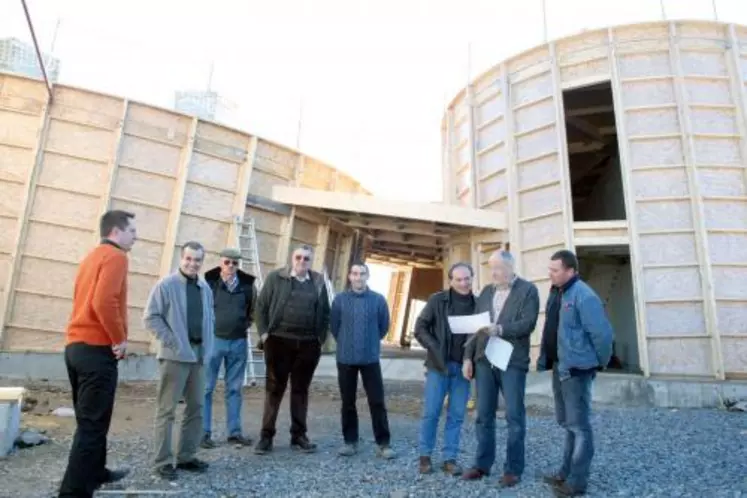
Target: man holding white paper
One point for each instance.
(444, 365)
(498, 357)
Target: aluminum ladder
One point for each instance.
(246, 235)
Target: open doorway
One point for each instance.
(594, 160)
(607, 270)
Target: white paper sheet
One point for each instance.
(469, 324)
(498, 352)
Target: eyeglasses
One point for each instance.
(298, 257)
(230, 262)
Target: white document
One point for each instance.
(469, 324)
(498, 352)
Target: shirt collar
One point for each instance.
(300, 279)
(510, 284)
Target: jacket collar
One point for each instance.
(214, 275)
(285, 273)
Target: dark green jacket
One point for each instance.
(274, 295)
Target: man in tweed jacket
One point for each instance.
(359, 320)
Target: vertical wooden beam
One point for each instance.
(563, 159)
(469, 98)
(286, 239)
(111, 180)
(696, 206)
(401, 319)
(172, 227)
(630, 209)
(23, 220)
(320, 253)
(512, 170)
(239, 201)
(734, 65)
(448, 159)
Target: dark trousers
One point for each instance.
(373, 384)
(92, 371)
(490, 382)
(288, 359)
(573, 413)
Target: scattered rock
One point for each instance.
(738, 406)
(63, 411)
(28, 404)
(29, 438)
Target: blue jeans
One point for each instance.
(573, 412)
(437, 385)
(232, 354)
(512, 382)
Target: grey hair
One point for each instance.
(302, 247)
(506, 257)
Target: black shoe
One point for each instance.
(193, 465)
(303, 444)
(263, 447)
(207, 443)
(114, 475)
(167, 472)
(240, 440)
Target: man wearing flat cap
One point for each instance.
(234, 298)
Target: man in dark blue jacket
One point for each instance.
(359, 320)
(576, 343)
(233, 297)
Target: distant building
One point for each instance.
(205, 104)
(20, 58)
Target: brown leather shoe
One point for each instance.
(451, 468)
(473, 474)
(553, 480)
(425, 466)
(565, 491)
(508, 481)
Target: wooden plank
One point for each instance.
(113, 167)
(23, 221)
(238, 209)
(320, 252)
(474, 192)
(514, 234)
(630, 207)
(175, 211)
(696, 206)
(268, 204)
(359, 203)
(284, 247)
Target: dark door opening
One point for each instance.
(596, 180)
(607, 270)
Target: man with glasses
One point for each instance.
(233, 295)
(292, 319)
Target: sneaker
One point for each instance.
(207, 443)
(303, 444)
(425, 466)
(450, 467)
(194, 465)
(385, 451)
(240, 440)
(263, 447)
(167, 472)
(348, 449)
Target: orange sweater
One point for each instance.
(99, 315)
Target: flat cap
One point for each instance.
(231, 253)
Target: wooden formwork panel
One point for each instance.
(269, 231)
(317, 175)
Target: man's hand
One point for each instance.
(264, 337)
(467, 370)
(120, 350)
(491, 330)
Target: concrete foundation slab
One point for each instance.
(609, 388)
(10, 417)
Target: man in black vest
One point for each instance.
(292, 320)
(233, 294)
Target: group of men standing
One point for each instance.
(576, 343)
(204, 322)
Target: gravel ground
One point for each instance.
(639, 453)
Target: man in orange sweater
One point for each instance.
(96, 338)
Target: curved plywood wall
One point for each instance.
(63, 164)
(680, 105)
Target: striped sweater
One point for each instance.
(358, 322)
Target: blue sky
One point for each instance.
(374, 75)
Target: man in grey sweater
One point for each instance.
(180, 315)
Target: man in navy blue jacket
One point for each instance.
(576, 343)
(359, 320)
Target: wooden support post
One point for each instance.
(738, 91)
(473, 190)
(512, 172)
(696, 206)
(172, 227)
(287, 238)
(239, 202)
(112, 171)
(563, 159)
(631, 215)
(320, 253)
(447, 169)
(6, 307)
